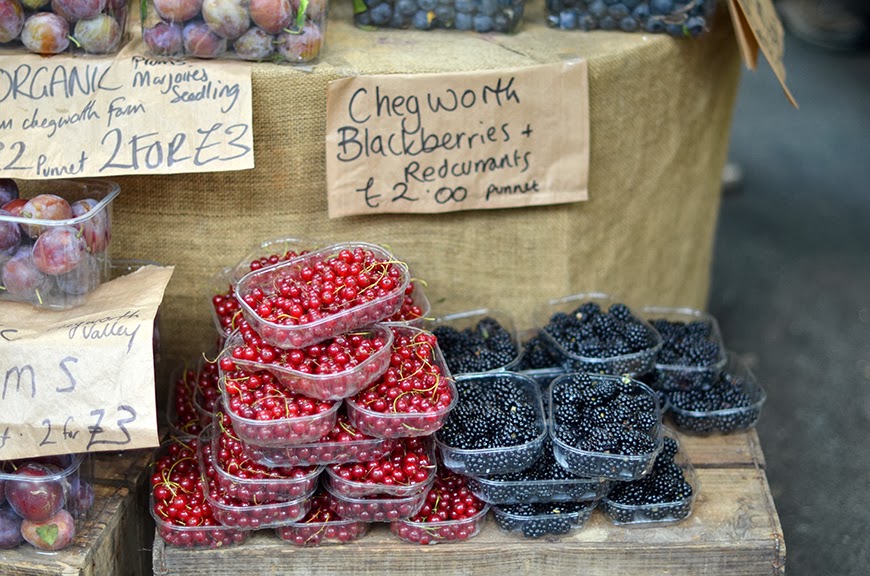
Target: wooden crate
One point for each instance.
(734, 530)
(114, 540)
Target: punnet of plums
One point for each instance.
(54, 245)
(480, 16)
(332, 405)
(678, 18)
(279, 31)
(49, 27)
(43, 502)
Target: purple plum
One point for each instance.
(164, 39)
(255, 44)
(303, 46)
(10, 529)
(98, 35)
(177, 11)
(8, 187)
(201, 41)
(95, 230)
(45, 33)
(82, 9)
(59, 250)
(36, 493)
(83, 279)
(227, 18)
(273, 16)
(21, 280)
(11, 20)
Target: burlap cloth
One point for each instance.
(660, 116)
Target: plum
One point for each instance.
(21, 280)
(44, 207)
(201, 41)
(98, 35)
(41, 496)
(273, 16)
(8, 187)
(227, 18)
(82, 9)
(59, 250)
(54, 533)
(255, 44)
(58, 9)
(163, 39)
(10, 236)
(10, 529)
(95, 230)
(82, 279)
(11, 20)
(14, 206)
(177, 11)
(302, 46)
(45, 33)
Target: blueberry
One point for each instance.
(676, 30)
(629, 24)
(618, 11)
(568, 19)
(488, 7)
(464, 21)
(420, 21)
(641, 12)
(654, 25)
(427, 5)
(482, 23)
(399, 21)
(501, 22)
(381, 14)
(696, 25)
(406, 7)
(661, 6)
(607, 23)
(588, 23)
(598, 8)
(465, 7)
(631, 4)
(445, 15)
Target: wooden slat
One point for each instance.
(734, 530)
(111, 540)
(739, 450)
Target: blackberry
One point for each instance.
(537, 520)
(487, 346)
(493, 411)
(725, 407)
(536, 355)
(687, 344)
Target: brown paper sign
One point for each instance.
(68, 116)
(444, 142)
(81, 380)
(757, 25)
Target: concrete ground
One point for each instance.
(791, 287)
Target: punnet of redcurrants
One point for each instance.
(40, 501)
(280, 31)
(477, 15)
(678, 18)
(322, 525)
(53, 26)
(52, 264)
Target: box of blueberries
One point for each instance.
(679, 18)
(478, 15)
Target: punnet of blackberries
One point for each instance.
(537, 355)
(664, 495)
(609, 342)
(537, 520)
(543, 481)
(733, 403)
(486, 346)
(692, 354)
(604, 425)
(497, 425)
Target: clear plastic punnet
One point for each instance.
(54, 242)
(284, 330)
(678, 18)
(46, 28)
(380, 508)
(480, 325)
(47, 501)
(546, 519)
(480, 16)
(671, 376)
(278, 31)
(440, 532)
(639, 362)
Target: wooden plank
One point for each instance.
(734, 530)
(739, 450)
(112, 539)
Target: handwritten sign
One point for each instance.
(81, 380)
(445, 142)
(131, 114)
(757, 26)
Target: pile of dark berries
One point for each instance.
(590, 332)
(674, 17)
(477, 15)
(604, 415)
(536, 520)
(493, 412)
(728, 405)
(665, 485)
(687, 344)
(487, 346)
(537, 356)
